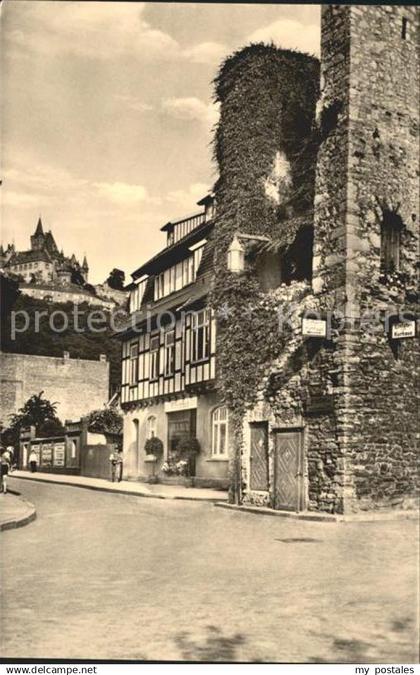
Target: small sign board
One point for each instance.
(59, 454)
(403, 329)
(314, 327)
(46, 454)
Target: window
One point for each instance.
(219, 447)
(391, 227)
(154, 357)
(133, 374)
(136, 295)
(159, 286)
(73, 450)
(198, 253)
(404, 28)
(169, 353)
(151, 426)
(200, 335)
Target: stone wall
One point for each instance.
(359, 450)
(368, 165)
(78, 386)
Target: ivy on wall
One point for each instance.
(265, 146)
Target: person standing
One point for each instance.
(33, 461)
(120, 465)
(114, 462)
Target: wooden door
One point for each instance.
(288, 471)
(258, 479)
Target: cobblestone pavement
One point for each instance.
(112, 576)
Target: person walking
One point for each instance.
(4, 470)
(33, 461)
(10, 455)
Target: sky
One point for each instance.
(107, 115)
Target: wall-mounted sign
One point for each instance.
(404, 329)
(59, 454)
(46, 454)
(314, 328)
(181, 404)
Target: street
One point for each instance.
(109, 576)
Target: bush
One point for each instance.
(105, 421)
(188, 446)
(153, 446)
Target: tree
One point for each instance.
(9, 293)
(38, 412)
(116, 279)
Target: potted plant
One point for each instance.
(187, 449)
(153, 449)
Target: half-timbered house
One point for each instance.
(168, 356)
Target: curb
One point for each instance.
(20, 522)
(264, 511)
(132, 493)
(368, 517)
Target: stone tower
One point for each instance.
(366, 240)
(85, 269)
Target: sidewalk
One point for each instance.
(127, 487)
(15, 511)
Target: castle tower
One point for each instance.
(85, 268)
(38, 238)
(366, 238)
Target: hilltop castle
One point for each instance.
(44, 263)
(46, 273)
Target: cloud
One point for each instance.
(22, 199)
(186, 200)
(191, 108)
(205, 52)
(289, 34)
(93, 29)
(101, 31)
(134, 103)
(122, 193)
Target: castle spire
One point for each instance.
(85, 265)
(39, 228)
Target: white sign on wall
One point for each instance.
(405, 329)
(181, 404)
(314, 327)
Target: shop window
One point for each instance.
(219, 447)
(200, 335)
(154, 357)
(134, 366)
(391, 227)
(151, 426)
(169, 353)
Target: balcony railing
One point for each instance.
(183, 227)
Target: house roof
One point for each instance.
(29, 256)
(174, 253)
